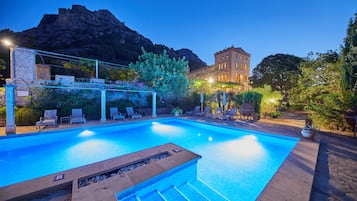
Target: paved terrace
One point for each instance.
(335, 176)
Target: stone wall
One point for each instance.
(23, 71)
(43, 72)
(24, 64)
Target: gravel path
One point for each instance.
(336, 172)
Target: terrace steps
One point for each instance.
(189, 191)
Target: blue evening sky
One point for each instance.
(260, 27)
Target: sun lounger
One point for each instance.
(49, 119)
(132, 114)
(229, 114)
(205, 111)
(196, 110)
(114, 114)
(77, 116)
(216, 114)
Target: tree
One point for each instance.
(319, 88)
(349, 57)
(4, 73)
(167, 76)
(197, 85)
(280, 71)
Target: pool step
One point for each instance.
(132, 197)
(153, 196)
(190, 191)
(208, 191)
(173, 193)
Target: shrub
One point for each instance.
(255, 98)
(25, 116)
(2, 115)
(189, 102)
(297, 107)
(274, 114)
(3, 111)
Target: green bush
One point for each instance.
(252, 97)
(26, 116)
(297, 107)
(274, 114)
(189, 102)
(92, 112)
(3, 111)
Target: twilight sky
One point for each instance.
(260, 27)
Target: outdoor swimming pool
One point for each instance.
(237, 163)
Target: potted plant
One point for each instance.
(176, 111)
(308, 131)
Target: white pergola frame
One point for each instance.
(10, 101)
(12, 84)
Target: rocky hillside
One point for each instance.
(93, 34)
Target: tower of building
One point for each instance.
(231, 65)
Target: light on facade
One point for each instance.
(210, 80)
(7, 42)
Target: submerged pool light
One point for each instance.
(86, 133)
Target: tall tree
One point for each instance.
(319, 88)
(349, 56)
(280, 71)
(168, 77)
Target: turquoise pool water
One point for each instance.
(238, 163)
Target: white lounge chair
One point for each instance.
(132, 114)
(77, 116)
(230, 114)
(114, 114)
(217, 114)
(49, 119)
(196, 110)
(205, 111)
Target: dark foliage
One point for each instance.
(280, 71)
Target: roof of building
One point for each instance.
(236, 49)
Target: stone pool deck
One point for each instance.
(335, 176)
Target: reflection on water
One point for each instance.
(236, 163)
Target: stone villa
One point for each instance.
(231, 65)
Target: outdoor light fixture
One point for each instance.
(210, 80)
(7, 42)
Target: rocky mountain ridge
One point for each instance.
(93, 34)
